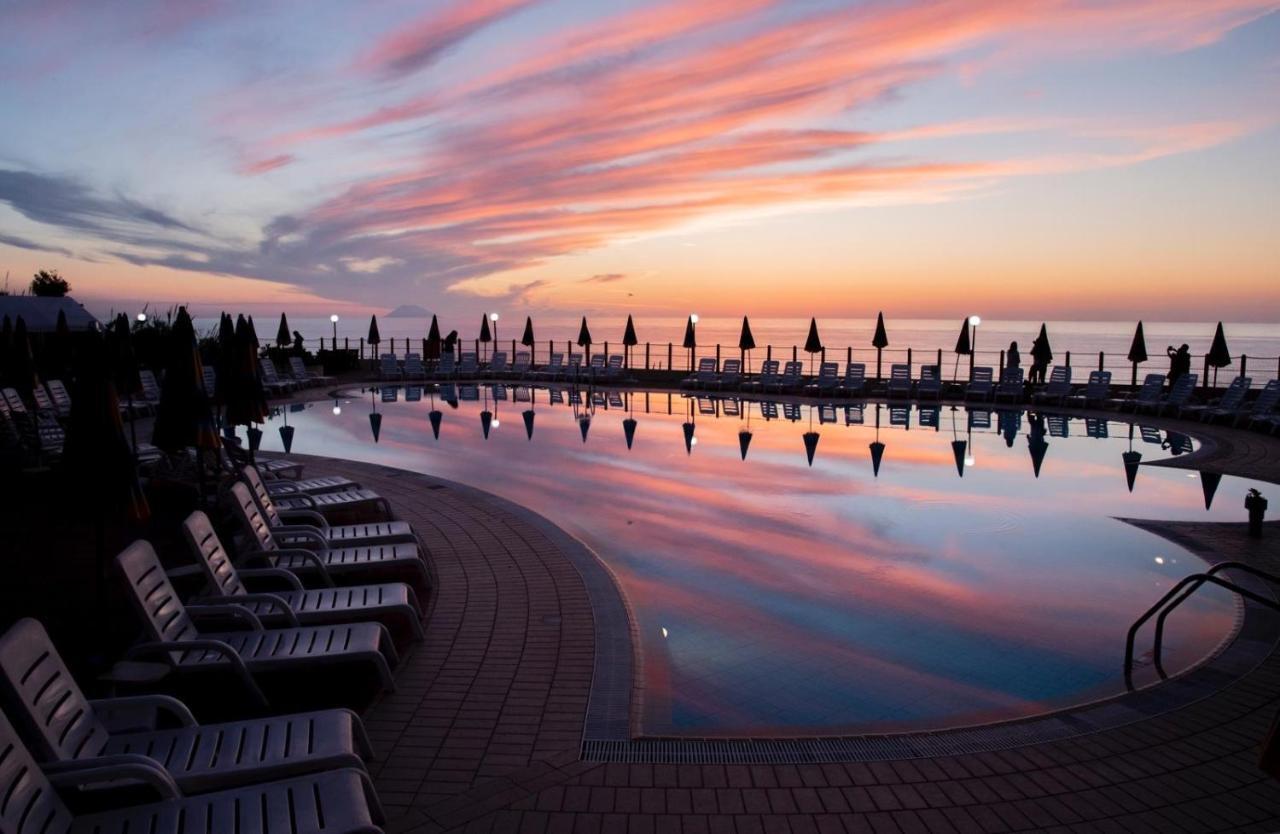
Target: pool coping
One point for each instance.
(612, 733)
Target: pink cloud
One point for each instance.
(416, 45)
(261, 166)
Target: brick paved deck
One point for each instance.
(486, 730)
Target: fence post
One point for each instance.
(1244, 364)
(795, 353)
(646, 367)
(606, 352)
(1102, 361)
(670, 355)
(768, 353)
(346, 343)
(1068, 359)
(1205, 383)
(322, 343)
(910, 371)
(848, 355)
(1001, 374)
(717, 354)
(939, 365)
(362, 347)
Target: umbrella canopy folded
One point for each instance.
(690, 339)
(183, 417)
(433, 340)
(484, 329)
(283, 335)
(745, 340)
(629, 334)
(246, 401)
(963, 346)
(881, 338)
(121, 360)
(1219, 356)
(813, 344)
(527, 338)
(1138, 349)
(584, 335)
(1040, 350)
(374, 337)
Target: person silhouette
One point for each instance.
(1179, 362)
(1040, 357)
(1013, 359)
(297, 343)
(451, 341)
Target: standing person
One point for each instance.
(451, 341)
(1179, 362)
(1040, 357)
(298, 349)
(1012, 359)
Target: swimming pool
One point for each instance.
(793, 569)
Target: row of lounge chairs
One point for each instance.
(316, 602)
(599, 367)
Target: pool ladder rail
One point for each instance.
(1178, 594)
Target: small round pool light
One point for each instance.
(970, 460)
(337, 409)
(142, 317)
(495, 423)
(664, 632)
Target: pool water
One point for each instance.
(796, 569)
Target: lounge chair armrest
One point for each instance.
(209, 608)
(317, 520)
(301, 553)
(303, 531)
(281, 487)
(276, 602)
(165, 648)
(160, 703)
(121, 766)
(286, 576)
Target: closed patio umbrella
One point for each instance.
(1036, 444)
(810, 445)
(629, 430)
(1137, 351)
(183, 417)
(284, 336)
(690, 340)
(528, 415)
(963, 348)
(746, 344)
(877, 448)
(629, 341)
(1219, 356)
(22, 365)
(246, 402)
(485, 335)
(879, 341)
(812, 344)
(1209, 485)
(374, 338)
(526, 338)
(1040, 351)
(226, 365)
(432, 349)
(584, 336)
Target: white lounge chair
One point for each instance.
(705, 375)
(1011, 386)
(389, 367)
(1263, 406)
(613, 368)
(1148, 396)
(272, 381)
(826, 381)
(302, 372)
(520, 367)
(351, 501)
(394, 604)
(446, 367)
(1178, 396)
(855, 379)
(768, 376)
(791, 376)
(730, 375)
(899, 381)
(413, 367)
(553, 369)
(311, 555)
(1096, 391)
(335, 802)
(1228, 405)
(61, 399)
(66, 730)
(497, 365)
(930, 384)
(980, 386)
(41, 400)
(174, 637)
(1057, 389)
(150, 388)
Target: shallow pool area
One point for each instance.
(797, 568)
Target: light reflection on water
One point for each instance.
(775, 594)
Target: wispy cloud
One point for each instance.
(23, 243)
(420, 43)
(604, 278)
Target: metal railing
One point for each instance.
(671, 356)
(1177, 595)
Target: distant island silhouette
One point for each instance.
(407, 311)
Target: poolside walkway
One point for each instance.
(485, 732)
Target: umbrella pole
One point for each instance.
(133, 431)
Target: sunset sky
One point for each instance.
(1035, 158)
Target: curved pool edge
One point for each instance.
(608, 735)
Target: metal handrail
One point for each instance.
(1196, 580)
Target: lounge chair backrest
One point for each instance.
(929, 373)
(597, 361)
(268, 370)
(30, 804)
(791, 370)
(732, 367)
(298, 368)
(255, 524)
(1099, 385)
(556, 363)
(900, 373)
(1152, 384)
(575, 361)
(1011, 377)
(499, 360)
(1235, 393)
(213, 558)
(41, 398)
(164, 616)
(13, 401)
(615, 360)
(150, 388)
(983, 374)
(522, 362)
(43, 697)
(58, 392)
(1060, 375)
(769, 369)
(855, 373)
(829, 370)
(468, 363)
(446, 365)
(1267, 399)
(1182, 389)
(253, 479)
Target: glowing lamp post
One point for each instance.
(493, 317)
(974, 321)
(142, 318)
(334, 320)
